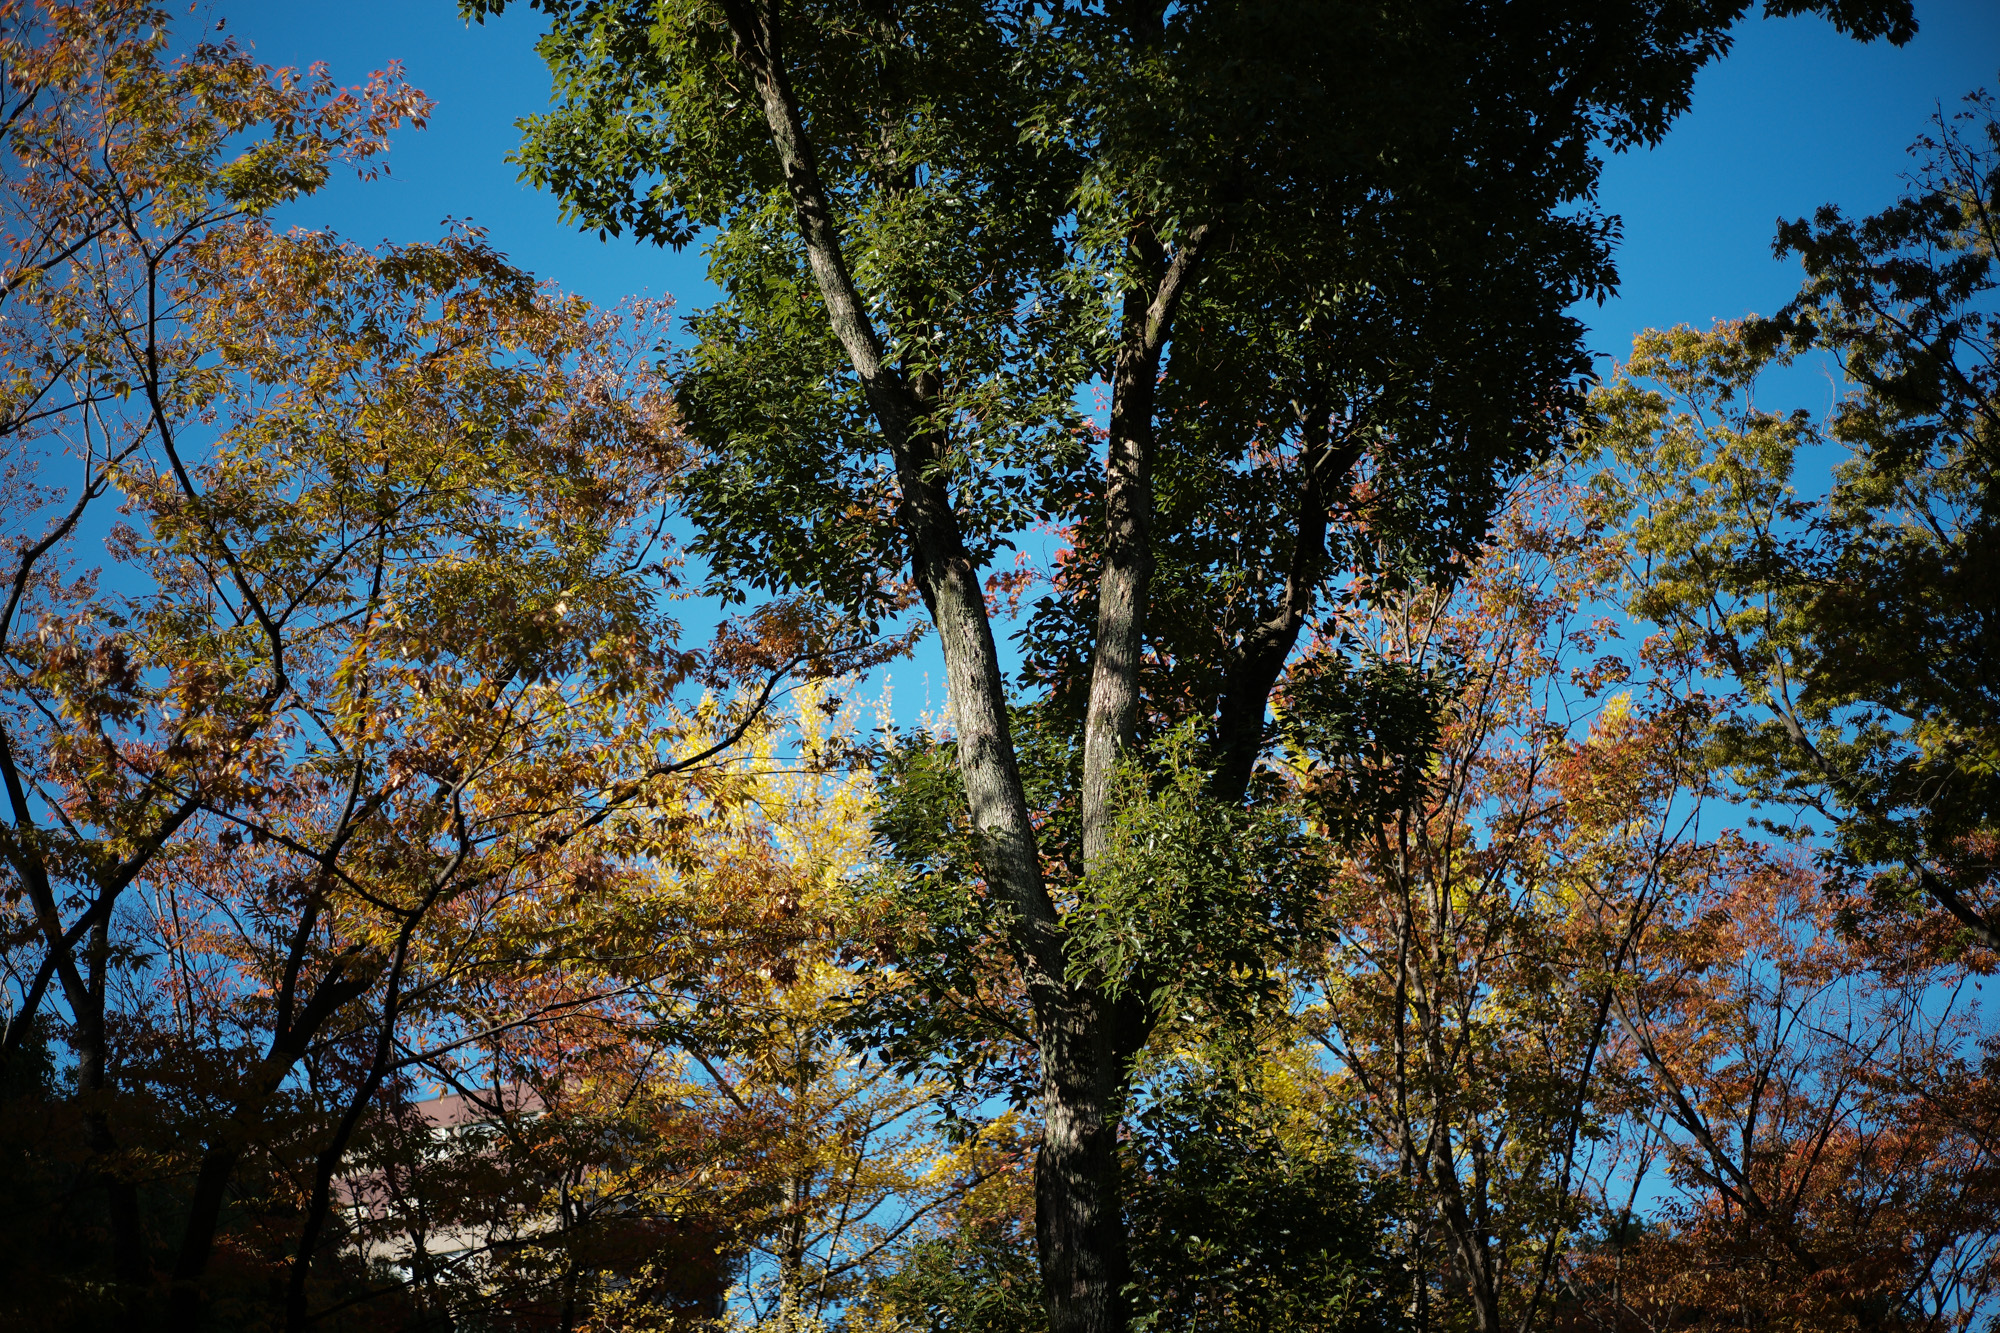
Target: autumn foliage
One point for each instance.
(429, 900)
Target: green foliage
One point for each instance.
(1247, 1211)
(1859, 624)
(1250, 1214)
(977, 1279)
(1198, 898)
(1363, 731)
(1404, 197)
(1197, 903)
(954, 227)
(941, 1000)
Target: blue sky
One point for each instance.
(1795, 117)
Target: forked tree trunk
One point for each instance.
(218, 1164)
(1086, 1040)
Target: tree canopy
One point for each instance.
(1459, 846)
(1860, 623)
(1321, 259)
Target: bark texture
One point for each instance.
(944, 570)
(1113, 708)
(1086, 1037)
(1079, 1218)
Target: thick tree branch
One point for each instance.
(1111, 718)
(1256, 662)
(943, 568)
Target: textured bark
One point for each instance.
(1086, 1045)
(1079, 1217)
(1467, 1242)
(1112, 713)
(1086, 1039)
(944, 571)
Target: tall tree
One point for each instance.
(122, 161)
(383, 678)
(1861, 620)
(1636, 1073)
(1319, 255)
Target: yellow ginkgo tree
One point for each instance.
(771, 929)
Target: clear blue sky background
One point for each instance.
(1794, 117)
